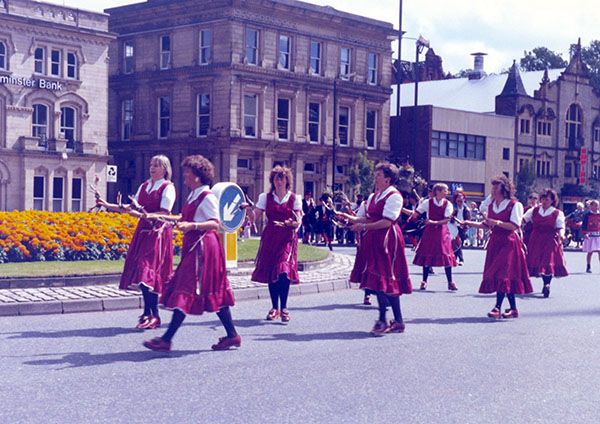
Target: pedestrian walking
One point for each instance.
(435, 247)
(324, 217)
(277, 259)
(544, 252)
(200, 282)
(461, 213)
(380, 264)
(532, 202)
(505, 270)
(149, 260)
(591, 233)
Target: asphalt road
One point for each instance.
(453, 364)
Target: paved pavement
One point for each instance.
(330, 275)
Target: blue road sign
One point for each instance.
(230, 198)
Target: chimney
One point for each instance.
(477, 72)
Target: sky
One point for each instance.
(503, 29)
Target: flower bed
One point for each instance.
(59, 236)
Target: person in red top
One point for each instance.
(277, 257)
(532, 202)
(435, 247)
(200, 282)
(380, 264)
(591, 233)
(149, 261)
(505, 270)
(544, 252)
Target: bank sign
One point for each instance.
(31, 82)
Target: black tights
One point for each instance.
(546, 279)
(150, 301)
(447, 269)
(394, 301)
(279, 291)
(224, 315)
(511, 300)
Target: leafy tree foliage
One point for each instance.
(525, 181)
(362, 175)
(591, 57)
(541, 58)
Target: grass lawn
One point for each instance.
(246, 252)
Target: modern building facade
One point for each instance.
(53, 104)
(249, 84)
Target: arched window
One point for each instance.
(40, 124)
(3, 56)
(67, 126)
(573, 126)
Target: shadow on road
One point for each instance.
(87, 332)
(293, 337)
(459, 320)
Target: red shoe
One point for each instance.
(379, 329)
(423, 285)
(452, 286)
(157, 344)
(285, 315)
(150, 323)
(143, 322)
(510, 313)
(367, 299)
(396, 327)
(494, 313)
(227, 342)
(272, 315)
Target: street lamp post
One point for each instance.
(420, 44)
(399, 77)
(335, 134)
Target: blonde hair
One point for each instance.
(438, 187)
(165, 164)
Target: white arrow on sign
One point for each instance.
(228, 210)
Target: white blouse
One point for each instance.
(560, 219)
(516, 215)
(424, 207)
(168, 195)
(208, 209)
(391, 209)
(261, 203)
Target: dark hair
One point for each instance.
(551, 194)
(200, 167)
(506, 185)
(281, 171)
(389, 171)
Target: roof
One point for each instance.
(464, 94)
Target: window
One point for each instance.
(57, 194)
(345, 63)
(525, 126)
(40, 124)
(38, 193)
(55, 63)
(250, 109)
(523, 163)
(340, 169)
(71, 65)
(315, 58)
(506, 174)
(573, 126)
(205, 52)
(542, 167)
(203, 117)
(244, 163)
(3, 56)
(544, 128)
(164, 117)
(40, 60)
(596, 134)
(283, 119)
(252, 46)
(372, 72)
(343, 125)
(285, 46)
(596, 172)
(76, 194)
(506, 153)
(165, 52)
(67, 126)
(568, 169)
(371, 128)
(127, 119)
(463, 146)
(314, 122)
(128, 57)
(311, 168)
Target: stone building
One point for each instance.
(53, 103)
(249, 84)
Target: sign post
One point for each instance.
(230, 197)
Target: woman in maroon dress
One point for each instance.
(277, 258)
(149, 261)
(505, 269)
(380, 264)
(200, 282)
(544, 252)
(435, 247)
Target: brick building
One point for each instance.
(53, 103)
(248, 84)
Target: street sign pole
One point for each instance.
(230, 196)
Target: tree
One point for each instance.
(525, 181)
(362, 175)
(591, 57)
(541, 58)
